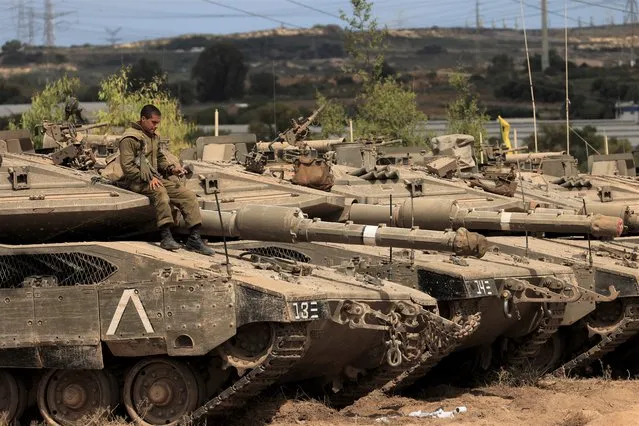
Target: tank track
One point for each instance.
(290, 345)
(523, 353)
(624, 330)
(441, 337)
(469, 324)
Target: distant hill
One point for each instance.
(312, 58)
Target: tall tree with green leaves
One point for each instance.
(124, 105)
(385, 107)
(364, 41)
(332, 118)
(464, 113)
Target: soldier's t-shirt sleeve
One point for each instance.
(128, 150)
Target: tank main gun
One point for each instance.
(441, 214)
(286, 224)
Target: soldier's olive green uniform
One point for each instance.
(137, 176)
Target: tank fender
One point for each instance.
(254, 305)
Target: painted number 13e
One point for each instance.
(305, 310)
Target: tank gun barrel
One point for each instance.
(629, 213)
(531, 156)
(323, 145)
(285, 224)
(438, 214)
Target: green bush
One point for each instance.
(123, 107)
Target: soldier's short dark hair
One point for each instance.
(150, 110)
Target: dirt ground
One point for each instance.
(560, 402)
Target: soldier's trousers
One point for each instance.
(171, 193)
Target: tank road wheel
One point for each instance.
(70, 396)
(160, 391)
(13, 396)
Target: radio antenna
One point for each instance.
(219, 214)
(390, 249)
(523, 200)
(588, 235)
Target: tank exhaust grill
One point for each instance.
(67, 268)
(281, 252)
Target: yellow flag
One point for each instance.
(505, 131)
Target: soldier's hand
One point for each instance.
(155, 184)
(178, 171)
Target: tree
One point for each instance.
(123, 107)
(388, 109)
(11, 46)
(385, 107)
(501, 65)
(261, 120)
(144, 72)
(364, 41)
(10, 93)
(219, 73)
(48, 105)
(464, 113)
(263, 83)
(332, 118)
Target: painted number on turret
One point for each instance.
(305, 310)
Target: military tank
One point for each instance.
(179, 336)
(435, 204)
(611, 322)
(47, 203)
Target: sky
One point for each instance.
(89, 21)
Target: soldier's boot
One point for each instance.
(168, 243)
(195, 243)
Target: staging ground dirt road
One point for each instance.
(557, 402)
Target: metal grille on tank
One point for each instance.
(67, 268)
(280, 252)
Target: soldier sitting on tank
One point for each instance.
(142, 162)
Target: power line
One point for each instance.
(323, 12)
(604, 6)
(248, 12)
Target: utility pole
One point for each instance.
(20, 27)
(545, 50)
(477, 28)
(630, 18)
(49, 22)
(49, 30)
(31, 26)
(113, 38)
